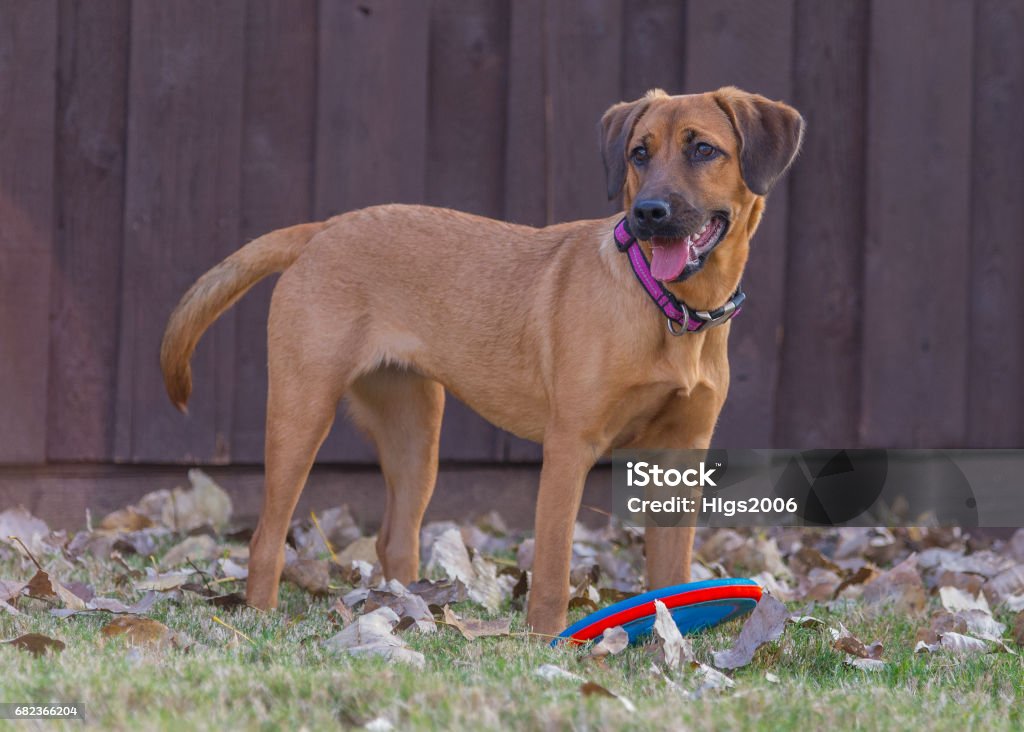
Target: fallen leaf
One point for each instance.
(865, 664)
(165, 582)
(205, 504)
(125, 520)
(1005, 584)
(19, 523)
(139, 632)
(439, 593)
(846, 642)
(312, 575)
(710, 680)
(982, 624)
(764, 625)
(472, 628)
(449, 552)
(590, 688)
(963, 645)
(43, 586)
(111, 605)
(613, 640)
(671, 648)
(900, 588)
(371, 634)
(10, 589)
(405, 604)
(195, 548)
(864, 574)
(955, 599)
(227, 602)
(363, 549)
(230, 568)
(550, 672)
(1018, 629)
(336, 524)
(1014, 603)
(36, 644)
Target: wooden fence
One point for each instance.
(141, 142)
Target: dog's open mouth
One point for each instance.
(676, 259)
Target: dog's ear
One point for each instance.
(615, 128)
(769, 134)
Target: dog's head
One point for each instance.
(691, 168)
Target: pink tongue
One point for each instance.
(668, 260)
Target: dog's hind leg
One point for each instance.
(402, 411)
(301, 403)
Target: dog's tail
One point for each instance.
(218, 290)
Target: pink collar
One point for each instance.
(681, 318)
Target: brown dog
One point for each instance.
(544, 332)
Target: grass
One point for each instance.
(283, 678)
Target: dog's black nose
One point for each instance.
(651, 211)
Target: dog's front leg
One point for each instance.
(566, 464)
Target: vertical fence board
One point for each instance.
(584, 69)
(371, 127)
(181, 218)
(526, 145)
(750, 45)
(85, 307)
(653, 47)
(466, 154)
(918, 172)
(278, 143)
(28, 59)
(994, 390)
(819, 379)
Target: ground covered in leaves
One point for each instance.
(141, 621)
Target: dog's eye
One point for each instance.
(703, 151)
(638, 155)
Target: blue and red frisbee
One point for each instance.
(694, 607)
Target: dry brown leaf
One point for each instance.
(371, 634)
(865, 664)
(125, 520)
(337, 524)
(165, 582)
(194, 548)
(955, 600)
(963, 645)
(1018, 629)
(969, 583)
(405, 604)
(900, 588)
(764, 625)
(472, 628)
(550, 672)
(312, 575)
(19, 523)
(613, 640)
(138, 631)
(591, 688)
(439, 593)
(846, 642)
(10, 589)
(363, 549)
(864, 574)
(1005, 584)
(36, 644)
(43, 586)
(672, 649)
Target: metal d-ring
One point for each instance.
(673, 324)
